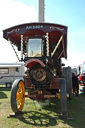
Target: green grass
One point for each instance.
(36, 117)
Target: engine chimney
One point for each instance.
(41, 11)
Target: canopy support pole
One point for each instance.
(21, 47)
(61, 53)
(57, 46)
(47, 44)
(14, 49)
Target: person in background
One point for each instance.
(75, 84)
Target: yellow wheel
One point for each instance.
(17, 95)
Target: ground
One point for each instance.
(35, 116)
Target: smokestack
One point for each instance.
(41, 11)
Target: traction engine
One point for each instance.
(42, 46)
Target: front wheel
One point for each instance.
(17, 95)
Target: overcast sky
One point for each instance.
(70, 13)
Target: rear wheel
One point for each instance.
(68, 76)
(63, 96)
(17, 95)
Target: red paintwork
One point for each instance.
(28, 83)
(39, 96)
(56, 83)
(30, 63)
(81, 77)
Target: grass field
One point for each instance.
(37, 117)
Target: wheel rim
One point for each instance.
(39, 74)
(20, 96)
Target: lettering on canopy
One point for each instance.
(34, 27)
(29, 27)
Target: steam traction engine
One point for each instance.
(42, 45)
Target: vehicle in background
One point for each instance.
(82, 77)
(11, 71)
(80, 72)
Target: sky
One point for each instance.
(70, 13)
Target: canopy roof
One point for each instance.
(36, 29)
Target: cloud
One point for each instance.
(13, 13)
(76, 47)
